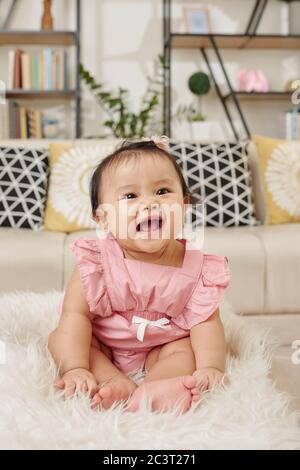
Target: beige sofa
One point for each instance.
(264, 260)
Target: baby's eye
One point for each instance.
(129, 196)
(164, 190)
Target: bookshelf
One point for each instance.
(260, 96)
(52, 38)
(45, 38)
(215, 42)
(233, 41)
(40, 94)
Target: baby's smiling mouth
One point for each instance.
(150, 224)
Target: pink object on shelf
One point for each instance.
(252, 80)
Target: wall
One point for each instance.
(121, 38)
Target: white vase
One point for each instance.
(295, 17)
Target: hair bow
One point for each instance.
(161, 141)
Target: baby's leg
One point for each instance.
(118, 387)
(171, 360)
(169, 379)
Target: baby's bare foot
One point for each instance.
(166, 394)
(118, 389)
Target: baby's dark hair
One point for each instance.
(126, 150)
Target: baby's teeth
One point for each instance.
(145, 226)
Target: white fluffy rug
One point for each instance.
(248, 414)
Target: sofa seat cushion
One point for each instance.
(282, 257)
(31, 259)
(264, 262)
(246, 258)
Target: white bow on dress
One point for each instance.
(161, 323)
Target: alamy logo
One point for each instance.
(2, 92)
(296, 93)
(296, 354)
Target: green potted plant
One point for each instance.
(199, 85)
(294, 15)
(121, 122)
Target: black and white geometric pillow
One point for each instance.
(219, 175)
(24, 177)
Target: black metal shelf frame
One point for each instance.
(250, 33)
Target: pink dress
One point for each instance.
(139, 305)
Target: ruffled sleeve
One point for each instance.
(88, 261)
(209, 290)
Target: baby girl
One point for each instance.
(138, 300)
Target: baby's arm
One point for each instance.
(209, 346)
(70, 343)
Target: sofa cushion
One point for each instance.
(246, 259)
(24, 176)
(68, 206)
(31, 260)
(279, 162)
(257, 185)
(219, 175)
(282, 253)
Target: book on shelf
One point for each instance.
(20, 122)
(46, 70)
(17, 70)
(292, 124)
(4, 121)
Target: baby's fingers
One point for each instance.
(93, 387)
(203, 383)
(59, 383)
(70, 389)
(82, 386)
(225, 380)
(214, 380)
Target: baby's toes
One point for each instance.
(93, 388)
(105, 392)
(134, 400)
(108, 396)
(189, 381)
(96, 400)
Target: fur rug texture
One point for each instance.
(249, 413)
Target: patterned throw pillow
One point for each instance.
(218, 175)
(279, 163)
(68, 206)
(23, 187)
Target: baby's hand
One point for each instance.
(77, 379)
(207, 378)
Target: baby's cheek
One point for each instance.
(126, 219)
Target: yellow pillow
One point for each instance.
(68, 206)
(279, 162)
